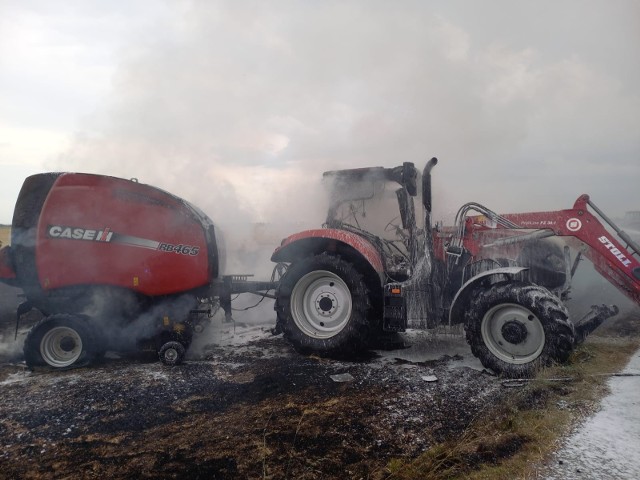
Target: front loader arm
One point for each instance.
(584, 231)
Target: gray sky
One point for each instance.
(239, 106)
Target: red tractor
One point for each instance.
(505, 277)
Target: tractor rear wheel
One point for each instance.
(59, 341)
(322, 305)
(515, 328)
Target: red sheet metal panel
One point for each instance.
(287, 250)
(109, 231)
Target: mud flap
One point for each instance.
(598, 314)
(24, 307)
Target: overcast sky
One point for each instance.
(239, 106)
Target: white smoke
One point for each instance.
(10, 347)
(239, 107)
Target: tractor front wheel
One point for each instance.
(322, 306)
(515, 328)
(59, 341)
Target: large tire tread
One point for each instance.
(355, 336)
(559, 330)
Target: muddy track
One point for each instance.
(251, 408)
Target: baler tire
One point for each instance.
(44, 343)
(172, 353)
(516, 328)
(322, 305)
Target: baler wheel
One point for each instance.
(515, 328)
(59, 341)
(171, 353)
(322, 305)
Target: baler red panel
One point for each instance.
(6, 270)
(104, 230)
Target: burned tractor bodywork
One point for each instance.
(550, 245)
(505, 277)
(112, 263)
(337, 291)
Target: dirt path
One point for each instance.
(246, 406)
(605, 445)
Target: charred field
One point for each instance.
(247, 406)
(253, 410)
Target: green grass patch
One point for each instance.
(506, 441)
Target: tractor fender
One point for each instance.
(313, 242)
(462, 297)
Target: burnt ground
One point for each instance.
(235, 416)
(245, 405)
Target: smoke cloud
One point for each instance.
(239, 107)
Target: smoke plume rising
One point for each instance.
(239, 107)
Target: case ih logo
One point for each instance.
(618, 254)
(75, 233)
(106, 235)
(574, 224)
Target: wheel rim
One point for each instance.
(198, 328)
(61, 346)
(513, 333)
(321, 304)
(171, 355)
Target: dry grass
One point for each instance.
(5, 235)
(509, 441)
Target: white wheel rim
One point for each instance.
(61, 346)
(321, 304)
(171, 355)
(513, 333)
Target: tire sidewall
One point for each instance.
(556, 347)
(355, 333)
(178, 347)
(32, 346)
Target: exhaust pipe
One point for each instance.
(426, 201)
(426, 186)
(434, 289)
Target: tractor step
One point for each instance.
(395, 309)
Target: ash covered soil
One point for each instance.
(244, 405)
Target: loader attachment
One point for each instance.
(615, 255)
(591, 321)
